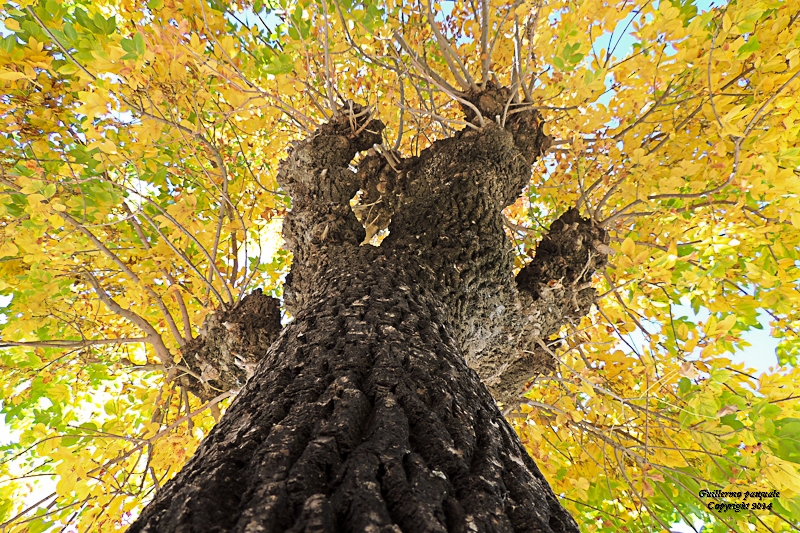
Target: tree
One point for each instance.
(363, 416)
(141, 167)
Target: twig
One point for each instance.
(450, 56)
(329, 76)
(710, 86)
(768, 102)
(187, 324)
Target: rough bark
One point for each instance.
(363, 415)
(554, 289)
(230, 346)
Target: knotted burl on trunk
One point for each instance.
(231, 344)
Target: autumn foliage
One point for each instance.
(138, 154)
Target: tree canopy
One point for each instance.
(138, 199)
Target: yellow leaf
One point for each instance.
(105, 146)
(673, 249)
(782, 474)
(46, 446)
(59, 392)
(11, 24)
(641, 257)
(66, 483)
(690, 345)
(726, 324)
(67, 68)
(151, 429)
(12, 75)
(726, 22)
(711, 326)
(82, 489)
(8, 249)
(628, 247)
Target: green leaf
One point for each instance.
(720, 375)
(749, 47)
(38, 525)
(138, 41)
(769, 411)
(69, 31)
(160, 177)
(100, 22)
(687, 8)
(8, 43)
(731, 420)
(69, 441)
(5, 507)
(83, 19)
(88, 426)
(33, 29)
(684, 386)
(53, 8)
(372, 17)
(280, 64)
(127, 45)
(786, 444)
(134, 47)
(769, 430)
(111, 25)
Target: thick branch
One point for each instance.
(152, 335)
(567, 257)
(554, 290)
(317, 176)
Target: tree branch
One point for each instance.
(187, 323)
(63, 343)
(450, 56)
(132, 275)
(152, 335)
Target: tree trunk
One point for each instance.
(364, 415)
